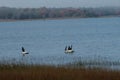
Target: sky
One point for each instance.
(59, 3)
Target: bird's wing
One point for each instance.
(23, 49)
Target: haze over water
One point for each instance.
(59, 3)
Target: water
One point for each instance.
(45, 40)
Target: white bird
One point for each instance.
(69, 49)
(24, 52)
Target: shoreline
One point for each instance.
(14, 20)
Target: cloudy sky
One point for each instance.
(59, 3)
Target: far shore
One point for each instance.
(13, 20)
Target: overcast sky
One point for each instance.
(59, 3)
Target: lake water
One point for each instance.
(45, 40)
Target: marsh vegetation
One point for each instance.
(22, 71)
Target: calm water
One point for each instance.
(45, 40)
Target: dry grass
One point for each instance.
(38, 72)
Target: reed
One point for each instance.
(46, 72)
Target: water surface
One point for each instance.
(45, 40)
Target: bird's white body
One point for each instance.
(24, 53)
(69, 51)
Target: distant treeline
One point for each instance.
(43, 13)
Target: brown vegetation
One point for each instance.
(37, 72)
